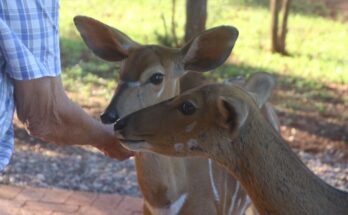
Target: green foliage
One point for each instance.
(165, 40)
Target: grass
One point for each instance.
(317, 44)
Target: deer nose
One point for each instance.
(109, 117)
(119, 125)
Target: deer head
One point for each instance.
(224, 123)
(191, 123)
(150, 73)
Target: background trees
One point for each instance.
(196, 16)
(278, 33)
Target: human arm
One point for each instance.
(43, 106)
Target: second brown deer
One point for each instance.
(230, 129)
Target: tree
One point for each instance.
(278, 38)
(196, 16)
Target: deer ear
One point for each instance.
(260, 86)
(209, 49)
(106, 42)
(233, 112)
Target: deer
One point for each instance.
(150, 74)
(230, 129)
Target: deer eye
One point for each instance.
(156, 78)
(187, 108)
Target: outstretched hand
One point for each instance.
(115, 151)
(43, 106)
(111, 146)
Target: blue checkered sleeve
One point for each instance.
(29, 39)
(29, 49)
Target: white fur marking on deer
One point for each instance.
(234, 197)
(212, 182)
(246, 204)
(132, 84)
(177, 205)
(173, 209)
(190, 127)
(159, 94)
(139, 146)
(192, 143)
(178, 147)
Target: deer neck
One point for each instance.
(274, 177)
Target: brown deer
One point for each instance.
(230, 130)
(150, 74)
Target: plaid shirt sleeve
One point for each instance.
(29, 49)
(29, 38)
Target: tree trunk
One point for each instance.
(274, 6)
(284, 27)
(278, 38)
(173, 29)
(196, 16)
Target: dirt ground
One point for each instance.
(312, 129)
(339, 8)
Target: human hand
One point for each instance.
(115, 150)
(112, 148)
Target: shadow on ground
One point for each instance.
(318, 112)
(39, 164)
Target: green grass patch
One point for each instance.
(317, 45)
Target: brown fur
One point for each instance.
(275, 178)
(145, 56)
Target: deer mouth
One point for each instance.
(130, 141)
(133, 144)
